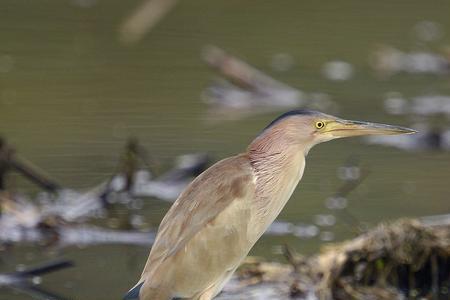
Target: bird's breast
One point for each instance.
(273, 190)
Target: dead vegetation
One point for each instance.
(407, 259)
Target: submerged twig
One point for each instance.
(143, 19)
(9, 160)
(21, 281)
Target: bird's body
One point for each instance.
(231, 225)
(219, 217)
(204, 221)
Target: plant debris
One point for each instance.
(406, 259)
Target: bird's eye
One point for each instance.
(320, 124)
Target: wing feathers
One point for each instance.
(202, 201)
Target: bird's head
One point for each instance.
(305, 128)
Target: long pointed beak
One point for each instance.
(346, 128)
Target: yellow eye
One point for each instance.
(320, 124)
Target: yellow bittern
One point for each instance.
(219, 217)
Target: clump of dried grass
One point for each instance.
(406, 259)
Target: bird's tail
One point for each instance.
(149, 293)
(133, 294)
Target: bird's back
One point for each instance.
(202, 239)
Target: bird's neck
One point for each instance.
(277, 172)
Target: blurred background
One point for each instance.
(79, 78)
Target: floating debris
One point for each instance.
(337, 70)
(304, 231)
(62, 205)
(26, 281)
(430, 105)
(92, 235)
(407, 258)
(336, 202)
(429, 108)
(18, 212)
(75, 235)
(66, 206)
(396, 104)
(388, 61)
(280, 228)
(143, 19)
(227, 102)
(134, 181)
(239, 72)
(23, 222)
(258, 280)
(73, 206)
(403, 258)
(324, 220)
(425, 140)
(227, 96)
(55, 217)
(425, 105)
(245, 90)
(169, 185)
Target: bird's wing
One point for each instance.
(201, 202)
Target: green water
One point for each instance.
(71, 94)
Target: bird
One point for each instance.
(223, 212)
